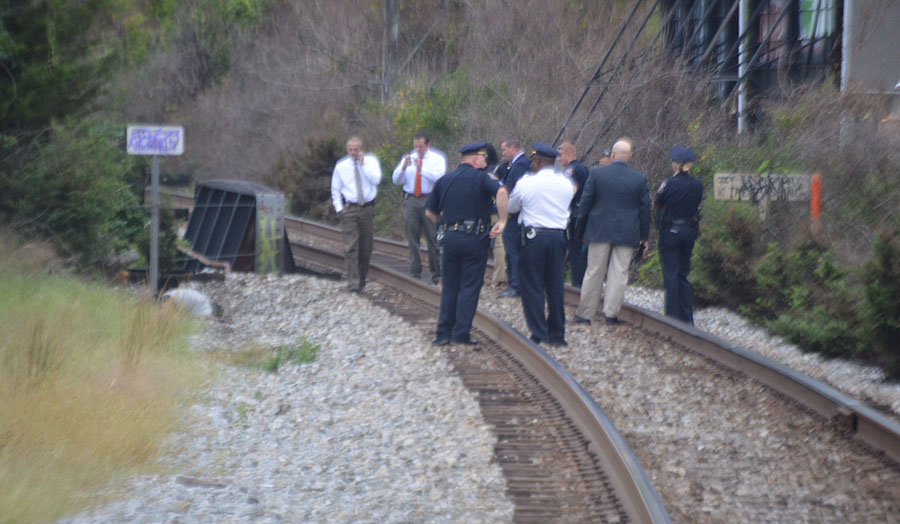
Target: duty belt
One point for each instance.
(531, 232)
(469, 227)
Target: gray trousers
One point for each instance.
(358, 228)
(416, 224)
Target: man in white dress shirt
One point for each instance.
(417, 173)
(354, 185)
(542, 201)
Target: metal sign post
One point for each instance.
(156, 141)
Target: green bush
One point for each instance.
(433, 109)
(306, 180)
(77, 189)
(805, 296)
(725, 253)
(880, 309)
(649, 273)
(168, 241)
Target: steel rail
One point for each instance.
(630, 481)
(864, 423)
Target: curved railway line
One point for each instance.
(612, 486)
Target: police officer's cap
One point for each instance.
(541, 149)
(475, 148)
(682, 154)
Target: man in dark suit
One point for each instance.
(512, 152)
(614, 214)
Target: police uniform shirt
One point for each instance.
(679, 196)
(468, 198)
(542, 200)
(434, 165)
(343, 181)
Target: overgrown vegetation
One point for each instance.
(91, 381)
(77, 188)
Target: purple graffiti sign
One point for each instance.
(155, 140)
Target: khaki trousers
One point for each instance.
(499, 274)
(601, 256)
(358, 228)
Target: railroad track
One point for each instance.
(563, 459)
(857, 420)
(863, 422)
(561, 455)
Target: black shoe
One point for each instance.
(559, 343)
(612, 321)
(535, 339)
(441, 341)
(469, 342)
(355, 288)
(579, 320)
(509, 293)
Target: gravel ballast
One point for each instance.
(376, 430)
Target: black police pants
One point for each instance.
(463, 261)
(576, 255)
(676, 243)
(511, 244)
(542, 270)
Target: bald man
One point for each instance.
(614, 213)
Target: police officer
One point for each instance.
(542, 201)
(577, 173)
(461, 202)
(677, 203)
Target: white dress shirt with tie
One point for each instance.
(542, 199)
(434, 165)
(343, 183)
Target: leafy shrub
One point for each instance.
(433, 109)
(805, 295)
(168, 240)
(725, 253)
(880, 309)
(306, 180)
(649, 273)
(78, 190)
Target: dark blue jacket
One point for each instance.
(615, 206)
(516, 171)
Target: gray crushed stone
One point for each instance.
(377, 429)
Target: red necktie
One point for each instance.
(417, 191)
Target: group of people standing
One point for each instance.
(538, 216)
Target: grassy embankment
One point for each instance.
(91, 381)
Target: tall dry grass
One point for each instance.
(91, 380)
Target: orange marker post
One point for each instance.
(815, 202)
